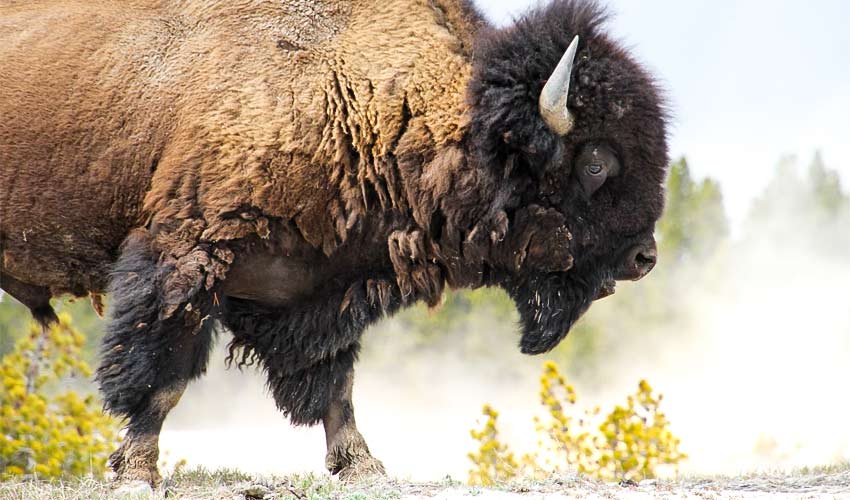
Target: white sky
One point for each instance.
(749, 81)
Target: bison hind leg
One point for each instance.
(36, 298)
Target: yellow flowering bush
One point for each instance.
(630, 443)
(494, 462)
(47, 431)
(569, 438)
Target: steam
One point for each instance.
(754, 369)
(756, 383)
(415, 405)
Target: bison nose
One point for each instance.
(645, 259)
(639, 261)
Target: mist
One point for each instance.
(747, 338)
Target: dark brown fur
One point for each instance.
(297, 170)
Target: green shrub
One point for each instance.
(50, 431)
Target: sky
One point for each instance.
(749, 82)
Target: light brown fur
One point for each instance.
(201, 109)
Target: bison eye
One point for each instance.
(596, 163)
(595, 169)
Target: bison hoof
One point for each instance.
(360, 469)
(351, 461)
(133, 464)
(133, 489)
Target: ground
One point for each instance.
(821, 483)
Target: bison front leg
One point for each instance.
(136, 458)
(308, 354)
(348, 455)
(322, 392)
(148, 356)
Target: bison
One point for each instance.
(294, 171)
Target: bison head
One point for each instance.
(576, 127)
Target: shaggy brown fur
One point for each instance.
(295, 170)
(204, 111)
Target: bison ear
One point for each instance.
(526, 147)
(536, 155)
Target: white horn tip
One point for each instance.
(553, 98)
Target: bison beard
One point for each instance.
(550, 304)
(297, 190)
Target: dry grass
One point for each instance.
(199, 484)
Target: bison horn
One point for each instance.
(553, 99)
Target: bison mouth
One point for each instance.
(550, 304)
(606, 289)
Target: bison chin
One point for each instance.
(550, 304)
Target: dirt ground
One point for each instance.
(821, 483)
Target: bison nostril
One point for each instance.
(645, 260)
(638, 262)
